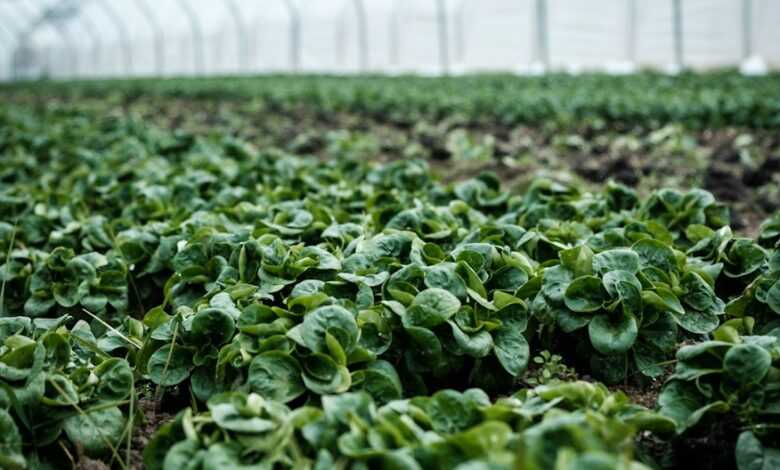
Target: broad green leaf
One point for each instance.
(653, 253)
(747, 363)
(773, 297)
(331, 319)
(275, 376)
(585, 294)
(430, 308)
(511, 347)
(613, 334)
(170, 365)
(617, 259)
(96, 431)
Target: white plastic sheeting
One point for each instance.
(191, 37)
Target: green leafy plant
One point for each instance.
(562, 426)
(326, 309)
(58, 382)
(735, 374)
(548, 368)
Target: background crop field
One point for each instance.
(481, 272)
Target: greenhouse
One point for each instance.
(391, 234)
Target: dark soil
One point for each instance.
(153, 418)
(749, 186)
(86, 463)
(711, 449)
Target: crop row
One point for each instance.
(645, 100)
(342, 312)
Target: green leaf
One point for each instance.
(240, 414)
(115, 379)
(184, 454)
(613, 334)
(747, 363)
(751, 454)
(626, 287)
(511, 347)
(443, 276)
(452, 412)
(322, 375)
(700, 295)
(653, 253)
(579, 260)
(585, 294)
(275, 376)
(330, 319)
(617, 259)
(430, 308)
(682, 402)
(477, 345)
(664, 300)
(773, 297)
(11, 456)
(96, 431)
(212, 326)
(425, 344)
(697, 322)
(169, 368)
(380, 380)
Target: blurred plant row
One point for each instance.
(300, 312)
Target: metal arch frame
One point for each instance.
(40, 18)
(92, 32)
(444, 43)
(631, 22)
(121, 28)
(23, 35)
(677, 29)
(541, 40)
(395, 33)
(157, 31)
(341, 34)
(458, 29)
(362, 32)
(241, 35)
(197, 36)
(295, 33)
(69, 44)
(16, 33)
(11, 70)
(747, 29)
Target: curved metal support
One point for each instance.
(295, 34)
(94, 37)
(459, 27)
(11, 68)
(26, 30)
(677, 28)
(69, 45)
(16, 33)
(341, 34)
(444, 44)
(47, 62)
(362, 33)
(542, 45)
(241, 32)
(197, 35)
(747, 29)
(631, 31)
(157, 31)
(395, 35)
(124, 38)
(33, 16)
